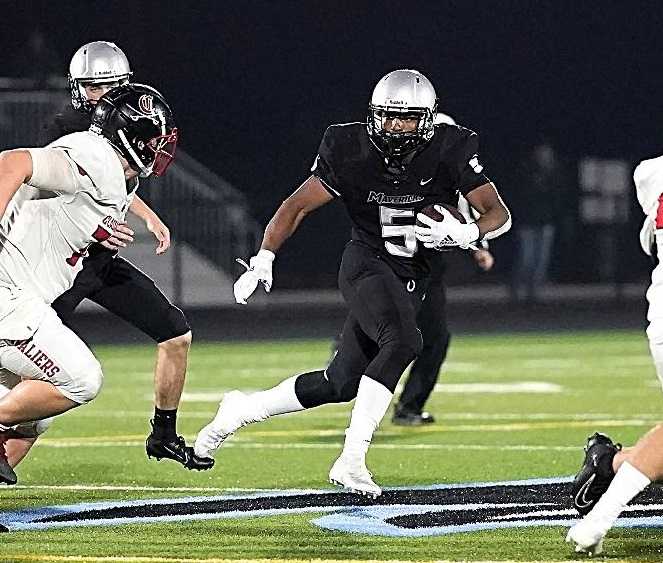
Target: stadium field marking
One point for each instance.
(319, 413)
(464, 388)
(104, 441)
(129, 559)
(250, 444)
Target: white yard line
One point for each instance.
(128, 559)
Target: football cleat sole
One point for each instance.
(354, 490)
(186, 458)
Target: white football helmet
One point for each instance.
(96, 63)
(405, 93)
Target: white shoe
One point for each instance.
(587, 536)
(352, 474)
(235, 410)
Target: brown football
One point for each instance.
(430, 211)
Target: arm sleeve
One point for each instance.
(54, 170)
(323, 167)
(468, 165)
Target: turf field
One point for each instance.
(510, 407)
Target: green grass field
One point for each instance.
(585, 382)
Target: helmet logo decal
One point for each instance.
(146, 104)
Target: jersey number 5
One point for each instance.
(99, 235)
(389, 230)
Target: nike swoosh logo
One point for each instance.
(581, 499)
(424, 182)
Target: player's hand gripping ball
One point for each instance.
(443, 227)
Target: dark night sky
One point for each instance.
(254, 83)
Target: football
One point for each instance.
(431, 212)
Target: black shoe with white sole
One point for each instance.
(596, 472)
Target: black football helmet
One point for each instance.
(137, 121)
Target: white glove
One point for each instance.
(258, 270)
(446, 233)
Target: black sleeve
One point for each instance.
(323, 167)
(66, 121)
(468, 164)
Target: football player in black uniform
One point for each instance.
(385, 171)
(113, 282)
(432, 321)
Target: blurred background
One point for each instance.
(565, 96)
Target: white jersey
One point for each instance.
(42, 242)
(648, 179)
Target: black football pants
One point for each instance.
(432, 321)
(380, 336)
(121, 288)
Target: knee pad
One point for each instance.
(87, 382)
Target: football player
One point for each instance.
(432, 321)
(113, 282)
(47, 369)
(611, 477)
(384, 171)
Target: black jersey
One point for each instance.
(383, 199)
(68, 120)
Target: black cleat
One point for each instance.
(7, 474)
(406, 418)
(596, 472)
(178, 451)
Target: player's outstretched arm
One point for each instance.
(153, 223)
(305, 199)
(15, 169)
(308, 197)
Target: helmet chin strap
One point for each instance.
(144, 171)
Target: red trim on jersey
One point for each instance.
(659, 213)
(101, 234)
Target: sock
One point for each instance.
(370, 406)
(280, 399)
(165, 422)
(628, 482)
